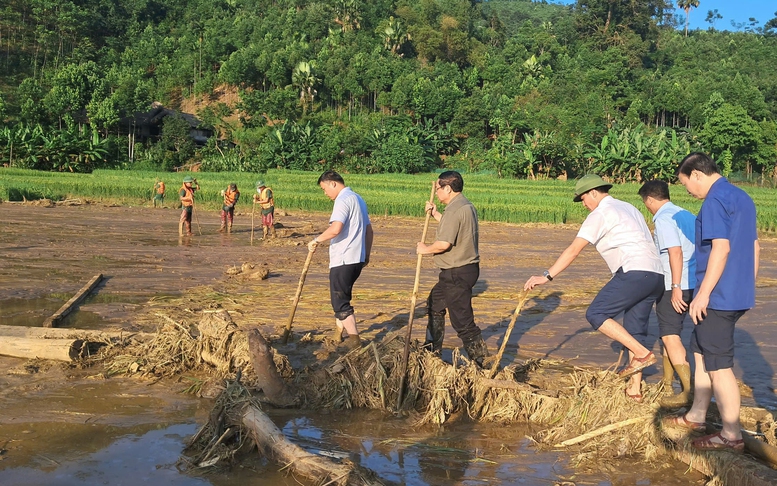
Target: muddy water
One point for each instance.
(89, 430)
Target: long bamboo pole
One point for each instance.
(406, 352)
(252, 222)
(498, 358)
(287, 331)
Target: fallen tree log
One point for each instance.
(65, 333)
(731, 468)
(56, 349)
(63, 311)
(267, 377)
(276, 447)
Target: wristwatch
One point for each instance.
(675, 286)
(546, 274)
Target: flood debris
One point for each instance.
(581, 410)
(237, 425)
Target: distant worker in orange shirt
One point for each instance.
(186, 195)
(266, 201)
(231, 195)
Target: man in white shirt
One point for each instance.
(620, 235)
(674, 236)
(351, 236)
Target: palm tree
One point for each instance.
(687, 5)
(304, 78)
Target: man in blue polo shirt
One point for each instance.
(674, 236)
(727, 252)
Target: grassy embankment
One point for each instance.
(507, 200)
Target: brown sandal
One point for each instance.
(707, 443)
(638, 364)
(681, 422)
(637, 397)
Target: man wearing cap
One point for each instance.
(620, 235)
(674, 237)
(231, 196)
(456, 253)
(186, 195)
(266, 202)
(350, 233)
(727, 254)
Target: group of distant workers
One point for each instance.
(231, 195)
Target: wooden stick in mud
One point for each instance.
(196, 217)
(252, 222)
(406, 352)
(498, 358)
(53, 321)
(603, 430)
(287, 331)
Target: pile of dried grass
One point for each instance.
(215, 345)
(570, 400)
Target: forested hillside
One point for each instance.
(521, 88)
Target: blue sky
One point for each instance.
(737, 10)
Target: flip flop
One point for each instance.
(707, 443)
(680, 422)
(638, 364)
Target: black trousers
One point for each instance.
(453, 291)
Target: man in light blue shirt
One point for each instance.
(674, 237)
(350, 233)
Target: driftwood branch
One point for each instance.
(276, 447)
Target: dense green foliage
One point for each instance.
(496, 199)
(521, 88)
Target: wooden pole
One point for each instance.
(252, 222)
(406, 352)
(196, 217)
(53, 321)
(498, 358)
(287, 331)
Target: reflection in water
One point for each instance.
(458, 454)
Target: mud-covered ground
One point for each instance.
(61, 425)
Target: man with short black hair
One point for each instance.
(350, 232)
(674, 237)
(456, 254)
(727, 253)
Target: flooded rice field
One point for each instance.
(64, 425)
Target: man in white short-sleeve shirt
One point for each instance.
(618, 231)
(350, 234)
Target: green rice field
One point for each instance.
(507, 200)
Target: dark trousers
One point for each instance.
(453, 291)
